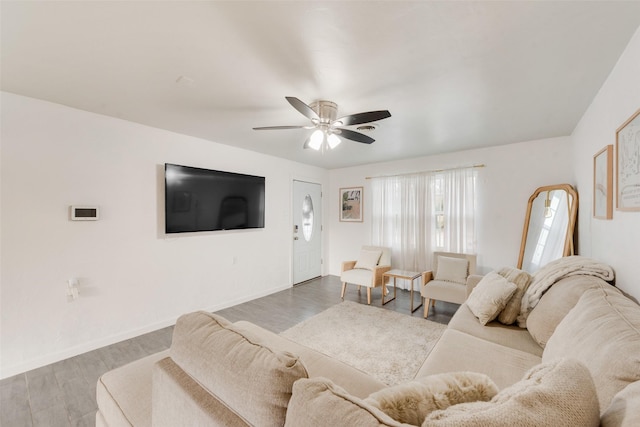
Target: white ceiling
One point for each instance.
(454, 75)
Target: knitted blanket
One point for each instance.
(544, 278)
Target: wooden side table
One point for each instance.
(401, 274)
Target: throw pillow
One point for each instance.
(319, 402)
(412, 401)
(521, 279)
(452, 269)
(603, 332)
(557, 393)
(368, 260)
(490, 296)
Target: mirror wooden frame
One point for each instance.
(572, 211)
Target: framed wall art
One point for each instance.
(351, 204)
(603, 183)
(628, 164)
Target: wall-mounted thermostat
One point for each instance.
(84, 213)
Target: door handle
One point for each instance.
(295, 238)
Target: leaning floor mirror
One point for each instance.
(548, 226)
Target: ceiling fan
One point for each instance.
(327, 128)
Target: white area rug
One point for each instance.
(387, 345)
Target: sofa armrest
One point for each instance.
(377, 274)
(472, 281)
(348, 265)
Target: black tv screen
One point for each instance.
(207, 200)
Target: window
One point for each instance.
(419, 214)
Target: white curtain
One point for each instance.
(405, 212)
(459, 194)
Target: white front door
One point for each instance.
(307, 231)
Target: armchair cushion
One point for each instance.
(452, 269)
(368, 259)
(358, 276)
(490, 297)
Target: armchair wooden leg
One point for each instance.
(426, 307)
(433, 303)
(369, 296)
(344, 287)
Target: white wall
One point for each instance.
(616, 241)
(511, 175)
(132, 278)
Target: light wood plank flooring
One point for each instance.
(63, 394)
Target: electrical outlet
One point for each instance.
(72, 289)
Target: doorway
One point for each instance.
(307, 231)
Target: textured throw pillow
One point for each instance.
(603, 332)
(452, 269)
(490, 296)
(557, 393)
(521, 279)
(412, 401)
(368, 260)
(319, 402)
(227, 362)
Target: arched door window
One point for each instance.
(307, 218)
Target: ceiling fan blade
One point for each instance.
(280, 127)
(355, 136)
(360, 118)
(303, 108)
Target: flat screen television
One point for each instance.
(208, 200)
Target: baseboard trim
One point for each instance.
(38, 362)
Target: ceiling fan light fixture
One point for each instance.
(317, 137)
(327, 127)
(333, 140)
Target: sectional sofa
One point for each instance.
(577, 363)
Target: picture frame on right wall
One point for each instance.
(628, 164)
(603, 183)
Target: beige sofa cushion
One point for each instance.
(317, 364)
(229, 363)
(452, 269)
(458, 351)
(178, 400)
(624, 410)
(124, 394)
(557, 393)
(556, 303)
(490, 296)
(319, 402)
(507, 335)
(412, 401)
(603, 332)
(521, 279)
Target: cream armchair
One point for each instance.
(452, 278)
(367, 271)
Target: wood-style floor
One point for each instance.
(63, 394)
